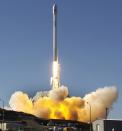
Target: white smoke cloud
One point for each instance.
(21, 102)
(56, 104)
(59, 94)
(101, 99)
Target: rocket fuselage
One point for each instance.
(55, 48)
(55, 79)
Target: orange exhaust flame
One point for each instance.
(58, 106)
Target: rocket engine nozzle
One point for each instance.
(55, 79)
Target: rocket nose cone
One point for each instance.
(54, 9)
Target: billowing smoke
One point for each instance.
(59, 94)
(21, 102)
(56, 104)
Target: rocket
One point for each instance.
(55, 79)
(55, 50)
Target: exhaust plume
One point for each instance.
(57, 105)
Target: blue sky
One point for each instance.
(89, 40)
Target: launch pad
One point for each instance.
(16, 121)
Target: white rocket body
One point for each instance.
(55, 79)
